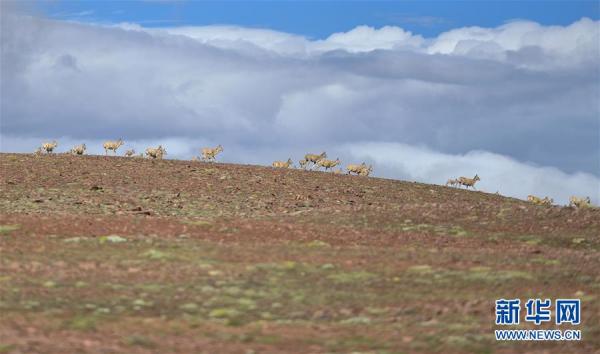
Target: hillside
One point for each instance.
(113, 254)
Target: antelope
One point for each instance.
(156, 153)
(366, 171)
(130, 152)
(579, 202)
(328, 163)
(281, 164)
(49, 147)
(356, 168)
(540, 201)
(314, 158)
(112, 145)
(547, 201)
(209, 154)
(78, 150)
(452, 182)
(468, 182)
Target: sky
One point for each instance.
(319, 19)
(424, 91)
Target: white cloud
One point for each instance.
(365, 39)
(567, 46)
(522, 92)
(240, 37)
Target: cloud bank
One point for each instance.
(520, 97)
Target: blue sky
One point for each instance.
(318, 19)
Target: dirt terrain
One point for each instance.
(126, 255)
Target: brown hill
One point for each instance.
(131, 255)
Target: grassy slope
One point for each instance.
(224, 258)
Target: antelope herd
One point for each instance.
(316, 160)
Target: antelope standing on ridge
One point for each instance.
(468, 182)
(282, 164)
(209, 154)
(580, 202)
(156, 153)
(78, 150)
(328, 163)
(356, 168)
(49, 147)
(540, 201)
(366, 171)
(314, 158)
(112, 145)
(452, 182)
